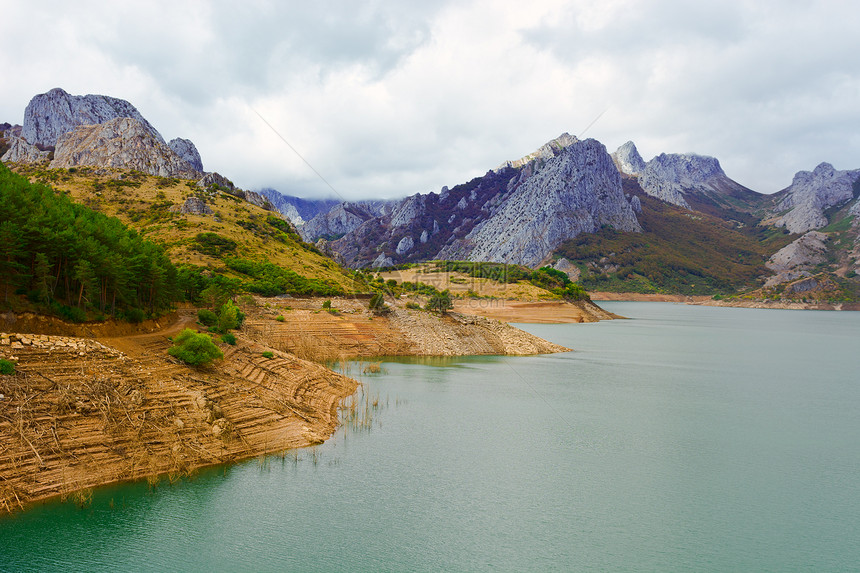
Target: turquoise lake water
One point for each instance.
(685, 439)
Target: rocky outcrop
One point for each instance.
(344, 218)
(124, 143)
(669, 177)
(50, 115)
(185, 149)
(797, 259)
(577, 191)
(802, 204)
(809, 285)
(20, 151)
(855, 211)
(405, 245)
(337, 222)
(292, 215)
(296, 209)
(256, 199)
(382, 261)
(217, 180)
(195, 206)
(807, 251)
(628, 160)
(409, 209)
(572, 271)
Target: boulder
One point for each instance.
(195, 206)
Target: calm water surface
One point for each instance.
(687, 438)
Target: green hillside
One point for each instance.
(88, 243)
(678, 252)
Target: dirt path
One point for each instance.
(135, 344)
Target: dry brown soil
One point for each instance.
(77, 414)
(349, 330)
(538, 312)
(640, 297)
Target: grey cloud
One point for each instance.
(251, 47)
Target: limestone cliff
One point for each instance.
(517, 213)
(671, 176)
(124, 143)
(343, 218)
(575, 192)
(55, 113)
(296, 209)
(801, 205)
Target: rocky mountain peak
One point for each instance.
(810, 194)
(546, 151)
(54, 113)
(577, 191)
(628, 160)
(671, 176)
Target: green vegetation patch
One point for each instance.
(440, 302)
(7, 367)
(194, 348)
(269, 279)
(213, 244)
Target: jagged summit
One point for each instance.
(577, 191)
(628, 160)
(670, 177)
(97, 131)
(546, 151)
(51, 114)
(697, 182)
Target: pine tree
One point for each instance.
(42, 278)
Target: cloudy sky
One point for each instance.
(385, 99)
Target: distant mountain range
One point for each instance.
(613, 220)
(535, 210)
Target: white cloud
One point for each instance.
(390, 100)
